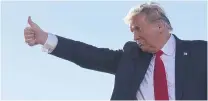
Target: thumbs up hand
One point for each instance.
(34, 34)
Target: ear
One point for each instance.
(160, 25)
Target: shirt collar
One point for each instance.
(169, 47)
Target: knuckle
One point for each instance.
(26, 41)
(31, 43)
(27, 28)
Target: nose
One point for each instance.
(136, 37)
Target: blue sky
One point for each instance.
(28, 73)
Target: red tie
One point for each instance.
(160, 82)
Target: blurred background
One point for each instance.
(27, 73)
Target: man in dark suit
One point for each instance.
(158, 66)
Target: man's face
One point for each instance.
(146, 34)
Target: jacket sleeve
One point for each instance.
(88, 56)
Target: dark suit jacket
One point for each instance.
(130, 64)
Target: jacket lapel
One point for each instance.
(181, 60)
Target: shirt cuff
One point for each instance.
(50, 43)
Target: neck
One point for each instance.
(165, 37)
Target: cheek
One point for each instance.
(148, 38)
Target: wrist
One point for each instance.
(44, 38)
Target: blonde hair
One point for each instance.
(153, 12)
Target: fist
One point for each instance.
(30, 37)
(34, 35)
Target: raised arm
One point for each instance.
(82, 54)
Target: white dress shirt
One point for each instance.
(146, 89)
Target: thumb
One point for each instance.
(30, 22)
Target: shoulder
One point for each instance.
(198, 51)
(199, 46)
(198, 43)
(131, 49)
(130, 46)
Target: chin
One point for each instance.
(144, 49)
(147, 49)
